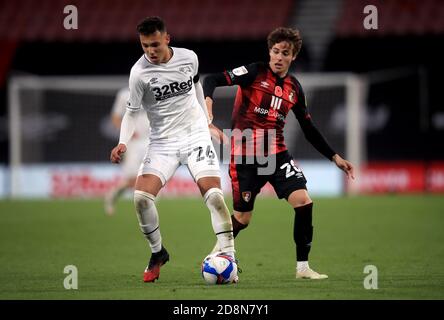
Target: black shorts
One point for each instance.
(248, 179)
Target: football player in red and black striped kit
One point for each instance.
(265, 96)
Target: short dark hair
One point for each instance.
(292, 36)
(150, 25)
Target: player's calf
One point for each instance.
(220, 219)
(237, 227)
(303, 231)
(149, 225)
(148, 219)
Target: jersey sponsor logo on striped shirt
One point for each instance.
(276, 102)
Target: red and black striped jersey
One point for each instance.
(263, 101)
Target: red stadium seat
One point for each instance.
(395, 17)
(108, 20)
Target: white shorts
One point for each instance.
(199, 156)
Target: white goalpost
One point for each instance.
(108, 85)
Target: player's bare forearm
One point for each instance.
(218, 134)
(209, 103)
(344, 165)
(215, 132)
(116, 153)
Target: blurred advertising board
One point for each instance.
(93, 180)
(401, 177)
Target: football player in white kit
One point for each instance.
(136, 149)
(165, 83)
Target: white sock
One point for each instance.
(216, 247)
(302, 266)
(148, 219)
(221, 220)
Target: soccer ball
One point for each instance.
(218, 268)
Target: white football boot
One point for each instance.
(310, 274)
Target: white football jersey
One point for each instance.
(166, 92)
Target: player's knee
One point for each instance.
(242, 217)
(299, 200)
(304, 201)
(143, 200)
(214, 198)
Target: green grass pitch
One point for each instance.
(403, 236)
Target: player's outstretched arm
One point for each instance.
(218, 134)
(126, 132)
(344, 165)
(209, 104)
(215, 132)
(201, 100)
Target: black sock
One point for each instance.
(303, 231)
(237, 226)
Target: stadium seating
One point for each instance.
(395, 17)
(110, 20)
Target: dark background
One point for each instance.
(404, 137)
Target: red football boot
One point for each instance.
(157, 260)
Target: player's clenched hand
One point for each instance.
(344, 165)
(116, 153)
(218, 134)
